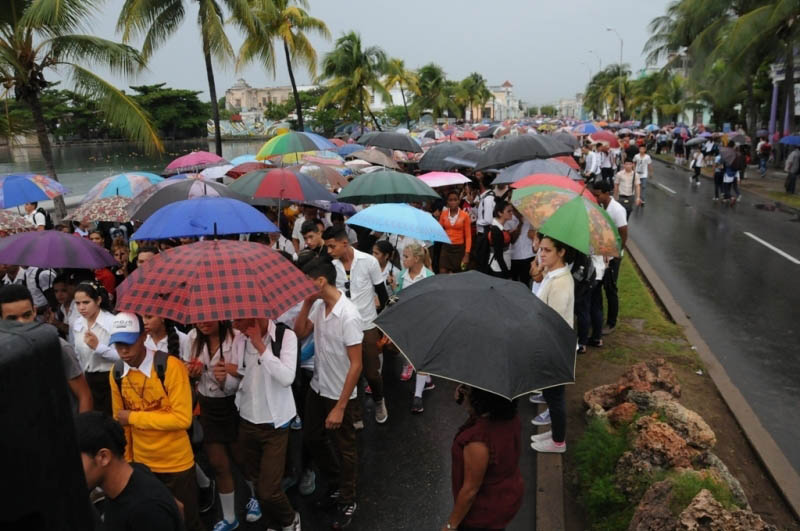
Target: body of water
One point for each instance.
(81, 167)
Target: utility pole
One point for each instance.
(620, 71)
(599, 61)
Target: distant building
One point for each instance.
(571, 107)
(243, 97)
(377, 104)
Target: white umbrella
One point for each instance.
(216, 172)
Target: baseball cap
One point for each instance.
(125, 328)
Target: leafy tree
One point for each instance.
(436, 95)
(533, 110)
(353, 74)
(398, 75)
(159, 19)
(475, 91)
(276, 111)
(39, 35)
(287, 22)
(395, 115)
(548, 110)
(177, 113)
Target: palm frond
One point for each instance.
(165, 24)
(56, 16)
(118, 58)
(212, 29)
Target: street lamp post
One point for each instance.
(620, 70)
(599, 61)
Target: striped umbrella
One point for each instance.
(122, 184)
(293, 142)
(12, 221)
(20, 188)
(112, 208)
(53, 248)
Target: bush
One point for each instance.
(686, 485)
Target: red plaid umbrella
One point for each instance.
(214, 281)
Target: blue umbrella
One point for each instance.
(204, 216)
(349, 148)
(402, 219)
(650, 128)
(345, 209)
(21, 188)
(791, 140)
(128, 184)
(241, 159)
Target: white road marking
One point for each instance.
(666, 188)
(772, 247)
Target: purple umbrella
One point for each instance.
(53, 248)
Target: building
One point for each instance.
(376, 103)
(571, 107)
(503, 105)
(243, 97)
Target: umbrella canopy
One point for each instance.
(435, 158)
(467, 135)
(740, 139)
(204, 216)
(705, 134)
(246, 167)
(624, 132)
(11, 221)
(521, 148)
(402, 219)
(651, 128)
(762, 132)
(435, 179)
(791, 140)
(390, 140)
(241, 159)
(568, 160)
(521, 170)
(194, 162)
(515, 345)
(280, 183)
(114, 208)
(680, 130)
(728, 155)
(490, 132)
(586, 129)
(345, 209)
(605, 137)
(346, 149)
(386, 186)
(215, 280)
(373, 156)
(544, 179)
(216, 172)
(293, 142)
(568, 139)
(122, 184)
(166, 192)
(338, 142)
(569, 218)
(696, 141)
(324, 175)
(20, 188)
(53, 248)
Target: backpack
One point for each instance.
(280, 331)
(583, 274)
(48, 221)
(159, 361)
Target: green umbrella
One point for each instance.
(386, 186)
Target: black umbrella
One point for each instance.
(168, 191)
(568, 139)
(390, 140)
(512, 345)
(728, 155)
(434, 159)
(521, 170)
(489, 133)
(521, 148)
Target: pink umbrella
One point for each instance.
(194, 162)
(436, 179)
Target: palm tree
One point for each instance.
(288, 22)
(642, 102)
(435, 94)
(476, 91)
(397, 75)
(158, 20)
(354, 75)
(670, 98)
(37, 36)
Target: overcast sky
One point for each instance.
(538, 45)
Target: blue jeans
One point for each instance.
(643, 181)
(762, 165)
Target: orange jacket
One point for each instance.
(459, 233)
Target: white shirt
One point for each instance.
(69, 318)
(333, 333)
(522, 249)
(296, 234)
(208, 385)
(265, 392)
(162, 345)
(493, 264)
(365, 273)
(408, 280)
(18, 279)
(390, 269)
(617, 213)
(45, 282)
(103, 357)
(485, 210)
(145, 367)
(642, 165)
(286, 246)
(592, 162)
(36, 218)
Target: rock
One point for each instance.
(632, 474)
(653, 512)
(595, 411)
(622, 414)
(661, 445)
(712, 463)
(650, 375)
(605, 396)
(704, 513)
(686, 422)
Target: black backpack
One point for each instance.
(159, 361)
(48, 221)
(280, 330)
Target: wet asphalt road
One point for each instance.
(741, 295)
(404, 472)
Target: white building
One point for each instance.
(243, 97)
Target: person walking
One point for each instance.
(627, 188)
(331, 402)
(696, 165)
(359, 276)
(485, 206)
(608, 163)
(643, 166)
(719, 176)
(486, 479)
(677, 147)
(454, 256)
(764, 151)
(792, 168)
(500, 240)
(383, 252)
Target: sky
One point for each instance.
(541, 46)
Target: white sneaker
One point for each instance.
(549, 447)
(294, 526)
(542, 419)
(381, 415)
(537, 398)
(542, 436)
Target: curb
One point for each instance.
(784, 206)
(549, 488)
(780, 470)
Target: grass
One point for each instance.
(787, 199)
(637, 302)
(687, 484)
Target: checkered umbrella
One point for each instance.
(214, 281)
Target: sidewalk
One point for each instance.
(770, 186)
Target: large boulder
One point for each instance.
(652, 375)
(622, 414)
(704, 513)
(686, 422)
(714, 466)
(632, 475)
(653, 512)
(605, 396)
(661, 445)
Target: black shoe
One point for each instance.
(416, 406)
(581, 349)
(595, 343)
(344, 515)
(329, 501)
(206, 497)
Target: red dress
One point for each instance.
(500, 495)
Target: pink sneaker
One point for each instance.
(408, 371)
(368, 389)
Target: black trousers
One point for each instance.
(610, 287)
(589, 307)
(557, 403)
(521, 270)
(607, 174)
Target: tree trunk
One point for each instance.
(374, 120)
(752, 108)
(297, 106)
(47, 151)
(212, 91)
(361, 111)
(405, 106)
